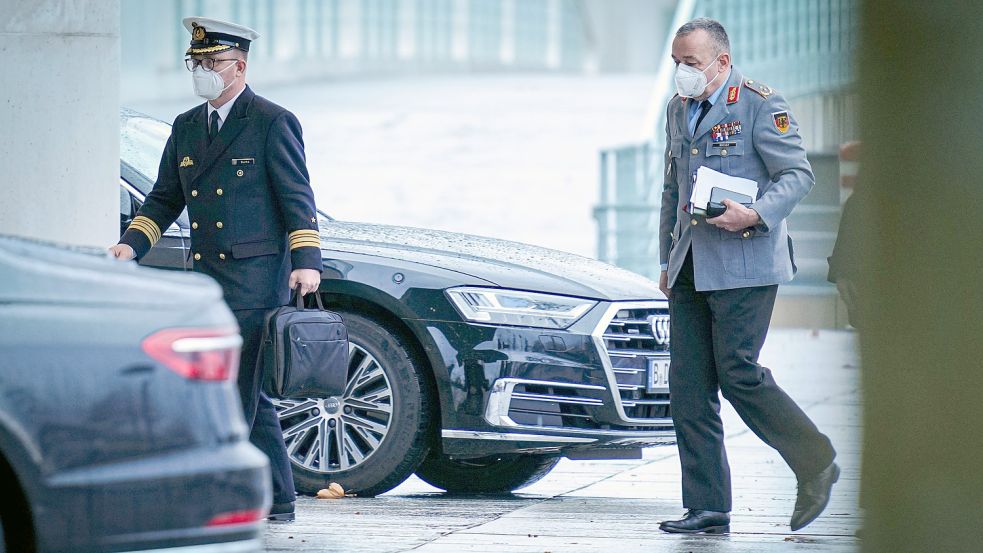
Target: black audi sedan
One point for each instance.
(120, 424)
(476, 363)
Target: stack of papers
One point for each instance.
(707, 179)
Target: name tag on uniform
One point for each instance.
(244, 161)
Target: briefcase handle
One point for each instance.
(299, 299)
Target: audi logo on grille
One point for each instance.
(660, 328)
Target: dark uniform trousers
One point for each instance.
(265, 432)
(716, 338)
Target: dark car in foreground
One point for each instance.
(475, 362)
(120, 424)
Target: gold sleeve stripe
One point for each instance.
(304, 244)
(147, 232)
(148, 227)
(303, 238)
(304, 232)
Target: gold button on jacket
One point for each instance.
(197, 257)
(219, 224)
(219, 191)
(194, 226)
(194, 193)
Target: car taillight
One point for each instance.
(195, 353)
(237, 517)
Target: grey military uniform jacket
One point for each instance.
(768, 150)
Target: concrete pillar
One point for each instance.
(922, 338)
(59, 121)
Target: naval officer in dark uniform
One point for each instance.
(721, 275)
(237, 162)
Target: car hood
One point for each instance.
(499, 262)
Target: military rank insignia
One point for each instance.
(781, 121)
(198, 33)
(186, 162)
(764, 90)
(733, 94)
(723, 131)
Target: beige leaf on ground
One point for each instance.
(333, 491)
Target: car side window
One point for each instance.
(125, 205)
(125, 210)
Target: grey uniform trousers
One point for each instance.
(716, 338)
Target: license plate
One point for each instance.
(657, 381)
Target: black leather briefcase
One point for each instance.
(305, 352)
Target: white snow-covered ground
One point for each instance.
(506, 155)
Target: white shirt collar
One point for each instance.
(223, 112)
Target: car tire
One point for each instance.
(494, 474)
(393, 454)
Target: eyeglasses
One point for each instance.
(208, 64)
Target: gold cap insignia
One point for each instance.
(198, 33)
(187, 162)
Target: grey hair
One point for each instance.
(713, 28)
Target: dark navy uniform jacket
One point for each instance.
(248, 196)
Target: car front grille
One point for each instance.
(552, 405)
(636, 336)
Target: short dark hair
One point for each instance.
(713, 28)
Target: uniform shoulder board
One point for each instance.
(760, 88)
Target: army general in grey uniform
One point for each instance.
(721, 275)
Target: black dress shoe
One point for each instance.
(698, 522)
(281, 512)
(813, 497)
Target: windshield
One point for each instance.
(141, 143)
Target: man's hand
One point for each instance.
(122, 252)
(308, 279)
(736, 218)
(664, 283)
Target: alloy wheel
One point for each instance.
(338, 433)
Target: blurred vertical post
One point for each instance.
(59, 121)
(923, 349)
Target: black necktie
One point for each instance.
(705, 106)
(213, 125)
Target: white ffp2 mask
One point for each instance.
(691, 82)
(209, 84)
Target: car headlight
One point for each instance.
(512, 307)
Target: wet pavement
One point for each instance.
(616, 505)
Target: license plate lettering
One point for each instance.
(657, 381)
